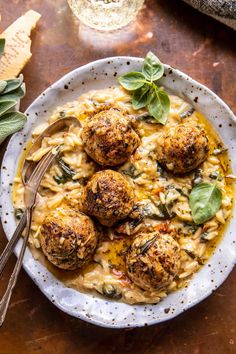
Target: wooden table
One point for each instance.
(202, 48)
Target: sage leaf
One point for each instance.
(3, 85)
(153, 69)
(2, 45)
(5, 106)
(13, 95)
(132, 81)
(141, 97)
(10, 123)
(13, 84)
(205, 200)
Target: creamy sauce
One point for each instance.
(108, 264)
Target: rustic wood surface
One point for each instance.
(202, 48)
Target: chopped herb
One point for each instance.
(187, 113)
(131, 171)
(204, 236)
(198, 177)
(219, 150)
(67, 172)
(191, 227)
(111, 292)
(62, 114)
(19, 213)
(144, 248)
(190, 254)
(167, 214)
(215, 175)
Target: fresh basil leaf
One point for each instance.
(5, 106)
(2, 45)
(141, 97)
(10, 123)
(205, 200)
(13, 84)
(132, 81)
(155, 107)
(165, 104)
(14, 95)
(3, 85)
(153, 69)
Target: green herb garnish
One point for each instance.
(11, 91)
(111, 291)
(205, 200)
(145, 92)
(19, 213)
(144, 248)
(67, 172)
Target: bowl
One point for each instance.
(88, 307)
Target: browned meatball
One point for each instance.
(182, 148)
(108, 196)
(153, 260)
(109, 138)
(68, 238)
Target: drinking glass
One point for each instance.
(105, 15)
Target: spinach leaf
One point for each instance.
(132, 81)
(205, 200)
(152, 67)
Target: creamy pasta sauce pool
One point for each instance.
(153, 188)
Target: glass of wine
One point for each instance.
(105, 15)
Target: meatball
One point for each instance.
(153, 260)
(68, 238)
(108, 137)
(108, 196)
(182, 148)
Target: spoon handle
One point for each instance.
(13, 279)
(8, 250)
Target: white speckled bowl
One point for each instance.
(94, 309)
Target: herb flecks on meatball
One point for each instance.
(68, 238)
(153, 260)
(109, 138)
(108, 196)
(182, 148)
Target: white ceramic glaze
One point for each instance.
(91, 308)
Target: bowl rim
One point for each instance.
(28, 270)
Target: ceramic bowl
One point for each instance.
(91, 308)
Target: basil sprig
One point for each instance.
(205, 200)
(11, 91)
(145, 92)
